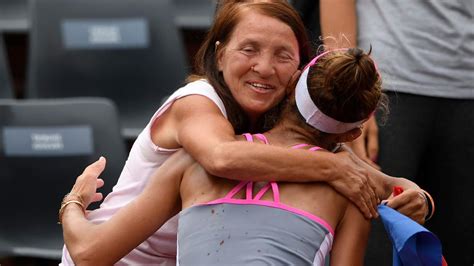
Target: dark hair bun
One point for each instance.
(357, 53)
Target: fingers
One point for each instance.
(353, 183)
(368, 191)
(411, 204)
(414, 213)
(364, 208)
(374, 195)
(97, 197)
(368, 198)
(100, 183)
(361, 203)
(399, 201)
(88, 182)
(96, 168)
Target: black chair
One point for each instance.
(44, 146)
(14, 16)
(194, 14)
(5, 86)
(127, 50)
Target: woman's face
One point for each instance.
(258, 62)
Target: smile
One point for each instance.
(259, 87)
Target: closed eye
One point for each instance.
(248, 50)
(284, 57)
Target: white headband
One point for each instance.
(311, 113)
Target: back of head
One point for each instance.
(345, 85)
(339, 90)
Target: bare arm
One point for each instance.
(205, 134)
(352, 234)
(132, 224)
(338, 19)
(339, 28)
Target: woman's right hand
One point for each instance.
(351, 179)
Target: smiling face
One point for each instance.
(258, 62)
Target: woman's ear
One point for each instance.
(292, 83)
(349, 135)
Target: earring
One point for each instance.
(252, 68)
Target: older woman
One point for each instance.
(244, 67)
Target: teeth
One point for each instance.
(258, 85)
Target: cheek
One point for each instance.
(285, 73)
(238, 62)
(235, 70)
(281, 95)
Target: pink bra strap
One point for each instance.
(262, 138)
(248, 137)
(262, 192)
(275, 190)
(235, 190)
(249, 184)
(315, 148)
(249, 193)
(297, 146)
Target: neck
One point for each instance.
(288, 132)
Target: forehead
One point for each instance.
(255, 25)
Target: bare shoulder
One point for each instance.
(193, 104)
(164, 128)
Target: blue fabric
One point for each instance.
(413, 244)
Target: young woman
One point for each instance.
(240, 223)
(251, 54)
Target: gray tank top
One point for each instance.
(251, 231)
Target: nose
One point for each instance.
(264, 66)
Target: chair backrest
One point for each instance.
(194, 14)
(5, 86)
(14, 15)
(44, 146)
(127, 50)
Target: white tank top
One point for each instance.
(144, 158)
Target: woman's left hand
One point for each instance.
(411, 203)
(88, 182)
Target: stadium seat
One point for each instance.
(14, 16)
(194, 14)
(44, 146)
(127, 50)
(5, 86)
